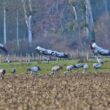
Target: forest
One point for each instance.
(64, 25)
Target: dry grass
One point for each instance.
(71, 92)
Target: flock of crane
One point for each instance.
(97, 51)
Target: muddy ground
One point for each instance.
(71, 92)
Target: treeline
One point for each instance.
(58, 24)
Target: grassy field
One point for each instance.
(55, 92)
(21, 67)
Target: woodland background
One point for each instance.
(64, 25)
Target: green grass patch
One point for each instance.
(21, 67)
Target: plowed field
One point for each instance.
(71, 92)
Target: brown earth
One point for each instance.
(71, 92)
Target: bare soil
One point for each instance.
(70, 92)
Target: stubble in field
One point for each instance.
(71, 92)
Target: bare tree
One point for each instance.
(4, 24)
(89, 16)
(28, 19)
(75, 13)
(89, 19)
(17, 28)
(77, 24)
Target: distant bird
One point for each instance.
(100, 61)
(70, 67)
(60, 54)
(7, 60)
(77, 66)
(97, 65)
(99, 50)
(3, 48)
(34, 70)
(14, 71)
(85, 68)
(44, 51)
(56, 69)
(2, 73)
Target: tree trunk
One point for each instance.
(17, 29)
(89, 19)
(28, 20)
(5, 40)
